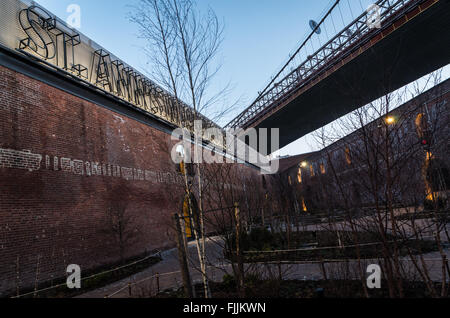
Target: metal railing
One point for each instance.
(350, 39)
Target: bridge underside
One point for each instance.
(419, 47)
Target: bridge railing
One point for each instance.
(349, 39)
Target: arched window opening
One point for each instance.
(420, 125)
(299, 175)
(322, 168)
(304, 207)
(348, 155)
(438, 176)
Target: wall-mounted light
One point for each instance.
(390, 120)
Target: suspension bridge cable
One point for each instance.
(334, 26)
(360, 3)
(326, 32)
(342, 16)
(351, 11)
(289, 61)
(312, 47)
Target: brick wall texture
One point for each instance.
(65, 164)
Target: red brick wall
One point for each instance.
(59, 162)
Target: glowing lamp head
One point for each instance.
(304, 164)
(390, 120)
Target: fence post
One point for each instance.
(182, 258)
(322, 268)
(157, 282)
(444, 291)
(240, 262)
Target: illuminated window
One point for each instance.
(311, 170)
(420, 125)
(322, 168)
(299, 175)
(290, 180)
(305, 208)
(348, 156)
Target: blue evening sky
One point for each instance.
(259, 35)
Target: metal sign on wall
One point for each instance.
(32, 30)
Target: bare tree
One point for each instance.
(380, 165)
(119, 223)
(183, 45)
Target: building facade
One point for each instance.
(401, 158)
(85, 140)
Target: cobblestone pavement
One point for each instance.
(144, 284)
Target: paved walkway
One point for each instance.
(168, 269)
(144, 284)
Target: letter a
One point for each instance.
(74, 280)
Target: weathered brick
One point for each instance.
(82, 160)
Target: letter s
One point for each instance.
(35, 22)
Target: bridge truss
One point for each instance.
(350, 39)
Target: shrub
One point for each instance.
(430, 205)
